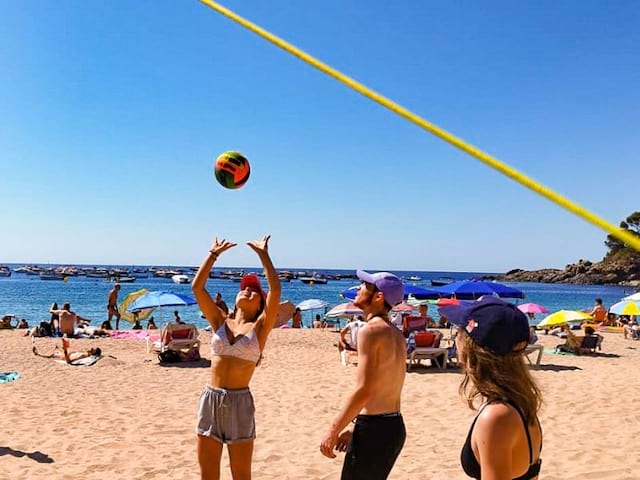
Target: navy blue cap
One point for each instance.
(491, 323)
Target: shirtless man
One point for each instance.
(599, 312)
(379, 434)
(68, 320)
(112, 305)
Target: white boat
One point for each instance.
(180, 279)
(313, 280)
(414, 278)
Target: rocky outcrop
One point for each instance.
(619, 268)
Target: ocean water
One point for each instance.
(30, 297)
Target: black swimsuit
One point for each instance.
(471, 466)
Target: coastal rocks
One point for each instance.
(615, 269)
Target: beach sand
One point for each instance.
(127, 417)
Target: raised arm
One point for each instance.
(268, 319)
(210, 310)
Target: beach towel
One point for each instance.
(138, 334)
(6, 377)
(83, 362)
(557, 352)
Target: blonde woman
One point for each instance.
(226, 410)
(505, 439)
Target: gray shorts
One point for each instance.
(226, 415)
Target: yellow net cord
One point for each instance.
(621, 234)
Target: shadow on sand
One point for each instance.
(550, 367)
(37, 456)
(202, 363)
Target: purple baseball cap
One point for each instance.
(390, 285)
(491, 323)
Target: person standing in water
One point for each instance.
(226, 409)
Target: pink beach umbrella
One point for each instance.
(532, 308)
(403, 307)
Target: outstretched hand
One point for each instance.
(261, 247)
(220, 246)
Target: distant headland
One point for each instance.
(620, 266)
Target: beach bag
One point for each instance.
(169, 356)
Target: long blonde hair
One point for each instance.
(497, 378)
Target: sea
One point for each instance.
(29, 297)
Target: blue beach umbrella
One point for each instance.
(473, 289)
(413, 290)
(161, 299)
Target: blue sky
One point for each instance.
(112, 113)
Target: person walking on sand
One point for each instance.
(378, 436)
(112, 305)
(505, 438)
(226, 409)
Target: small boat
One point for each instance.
(313, 280)
(414, 278)
(5, 272)
(439, 282)
(123, 279)
(180, 278)
(51, 276)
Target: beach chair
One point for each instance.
(175, 337)
(534, 348)
(413, 324)
(589, 344)
(427, 347)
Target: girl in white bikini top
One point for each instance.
(245, 347)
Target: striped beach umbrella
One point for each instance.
(344, 310)
(625, 307)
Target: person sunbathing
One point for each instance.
(69, 356)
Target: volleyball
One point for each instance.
(232, 170)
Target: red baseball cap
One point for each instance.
(252, 281)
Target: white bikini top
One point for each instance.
(246, 347)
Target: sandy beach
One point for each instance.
(127, 417)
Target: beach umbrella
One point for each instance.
(564, 316)
(161, 299)
(633, 298)
(126, 303)
(532, 308)
(344, 310)
(403, 307)
(473, 289)
(312, 304)
(625, 307)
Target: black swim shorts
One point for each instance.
(375, 446)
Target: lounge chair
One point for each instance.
(588, 345)
(175, 337)
(427, 347)
(533, 348)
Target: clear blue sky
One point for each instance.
(112, 113)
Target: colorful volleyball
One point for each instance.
(232, 170)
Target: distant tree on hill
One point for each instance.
(631, 225)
